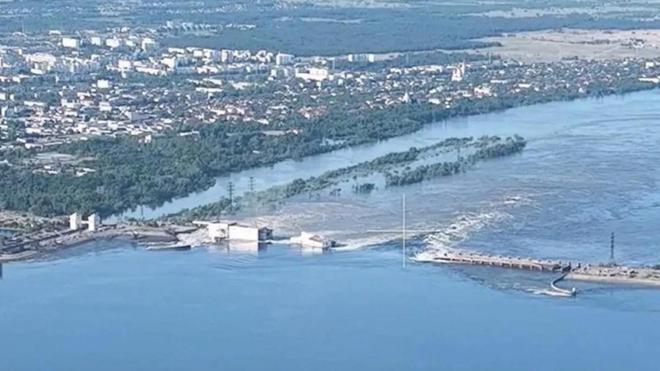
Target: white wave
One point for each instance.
(549, 292)
(356, 225)
(462, 227)
(516, 200)
(469, 223)
(363, 240)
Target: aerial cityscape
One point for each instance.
(376, 184)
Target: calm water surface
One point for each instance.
(125, 309)
(590, 168)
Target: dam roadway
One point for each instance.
(457, 257)
(609, 273)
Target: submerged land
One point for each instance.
(132, 105)
(186, 183)
(97, 117)
(449, 157)
(191, 228)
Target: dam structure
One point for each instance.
(605, 273)
(530, 264)
(457, 257)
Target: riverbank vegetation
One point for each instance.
(393, 169)
(486, 151)
(129, 173)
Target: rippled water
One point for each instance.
(115, 307)
(530, 122)
(590, 168)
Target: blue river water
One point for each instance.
(590, 168)
(118, 308)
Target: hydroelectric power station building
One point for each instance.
(236, 232)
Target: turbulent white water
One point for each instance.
(532, 122)
(588, 170)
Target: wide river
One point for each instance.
(590, 168)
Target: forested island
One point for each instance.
(394, 169)
(486, 151)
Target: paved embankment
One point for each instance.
(642, 276)
(30, 246)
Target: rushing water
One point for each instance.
(590, 168)
(529, 122)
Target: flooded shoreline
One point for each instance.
(524, 121)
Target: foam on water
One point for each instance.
(358, 243)
(466, 224)
(547, 292)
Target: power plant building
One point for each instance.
(236, 232)
(92, 223)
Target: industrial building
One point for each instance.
(236, 232)
(76, 222)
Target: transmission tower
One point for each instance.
(230, 193)
(251, 185)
